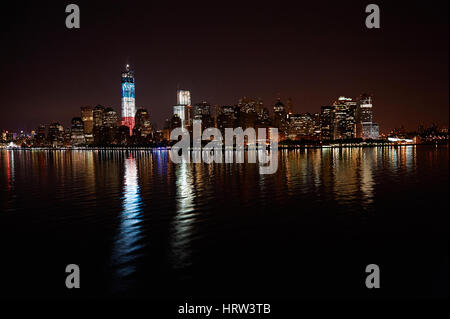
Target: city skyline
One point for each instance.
(224, 158)
(127, 108)
(53, 71)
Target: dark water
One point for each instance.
(141, 226)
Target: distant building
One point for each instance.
(175, 122)
(110, 118)
(365, 127)
(248, 115)
(364, 112)
(3, 136)
(202, 112)
(183, 97)
(301, 126)
(77, 132)
(98, 114)
(67, 142)
(201, 109)
(87, 115)
(226, 118)
(143, 127)
(289, 106)
(123, 135)
(247, 105)
(344, 118)
(110, 127)
(327, 122)
(263, 118)
(40, 139)
(316, 123)
(128, 98)
(183, 103)
(280, 119)
(55, 135)
(367, 131)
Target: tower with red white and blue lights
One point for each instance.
(128, 98)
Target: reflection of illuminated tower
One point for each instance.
(183, 101)
(128, 102)
(128, 240)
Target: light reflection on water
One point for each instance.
(128, 241)
(142, 193)
(185, 216)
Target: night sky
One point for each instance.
(312, 52)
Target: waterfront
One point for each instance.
(139, 225)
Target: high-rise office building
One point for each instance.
(55, 135)
(289, 106)
(294, 126)
(226, 118)
(67, 137)
(98, 115)
(87, 115)
(327, 122)
(317, 128)
(77, 131)
(248, 105)
(110, 127)
(128, 98)
(248, 109)
(183, 104)
(263, 117)
(110, 117)
(280, 119)
(183, 97)
(301, 126)
(143, 126)
(41, 136)
(344, 118)
(175, 122)
(365, 127)
(364, 112)
(202, 111)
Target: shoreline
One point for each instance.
(149, 148)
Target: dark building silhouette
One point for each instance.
(77, 132)
(87, 115)
(327, 122)
(55, 136)
(143, 129)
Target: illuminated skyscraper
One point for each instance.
(128, 98)
(364, 110)
(87, 115)
(55, 135)
(183, 103)
(77, 131)
(183, 97)
(327, 122)
(301, 126)
(366, 128)
(344, 118)
(280, 118)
